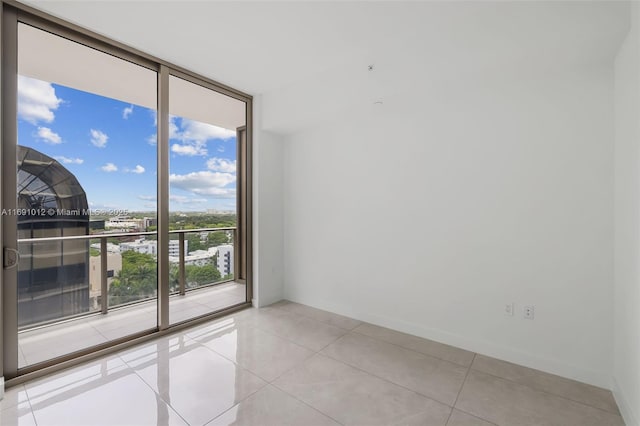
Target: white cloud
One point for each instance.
(127, 112)
(98, 138)
(37, 100)
(189, 150)
(194, 135)
(221, 165)
(49, 136)
(197, 131)
(191, 137)
(109, 167)
(67, 160)
(174, 131)
(137, 170)
(204, 183)
(148, 197)
(181, 199)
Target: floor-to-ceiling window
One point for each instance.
(203, 145)
(125, 191)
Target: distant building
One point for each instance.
(174, 247)
(151, 247)
(197, 258)
(124, 223)
(114, 265)
(141, 246)
(149, 221)
(225, 259)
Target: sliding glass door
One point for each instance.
(203, 145)
(124, 195)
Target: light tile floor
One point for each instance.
(291, 364)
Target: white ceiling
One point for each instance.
(309, 59)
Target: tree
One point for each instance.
(194, 242)
(201, 275)
(138, 279)
(217, 238)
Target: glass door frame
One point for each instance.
(13, 13)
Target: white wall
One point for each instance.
(627, 225)
(428, 216)
(267, 213)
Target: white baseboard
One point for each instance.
(628, 414)
(473, 344)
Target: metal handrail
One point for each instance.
(104, 299)
(123, 234)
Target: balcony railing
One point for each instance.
(182, 285)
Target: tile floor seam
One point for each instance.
(266, 383)
(281, 337)
(331, 343)
(312, 319)
(307, 404)
(243, 399)
(255, 373)
(470, 367)
(291, 368)
(462, 386)
(221, 414)
(386, 380)
(323, 322)
(413, 350)
(546, 392)
(33, 415)
(469, 414)
(159, 396)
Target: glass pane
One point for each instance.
(203, 128)
(86, 159)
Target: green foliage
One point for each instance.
(194, 242)
(217, 238)
(94, 252)
(196, 221)
(136, 280)
(139, 276)
(133, 258)
(201, 275)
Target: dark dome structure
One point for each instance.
(53, 276)
(45, 183)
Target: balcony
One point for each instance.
(114, 301)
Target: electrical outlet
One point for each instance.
(529, 312)
(508, 309)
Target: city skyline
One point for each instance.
(110, 146)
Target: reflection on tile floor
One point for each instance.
(54, 340)
(290, 364)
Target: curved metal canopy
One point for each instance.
(44, 183)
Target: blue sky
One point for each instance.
(110, 147)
